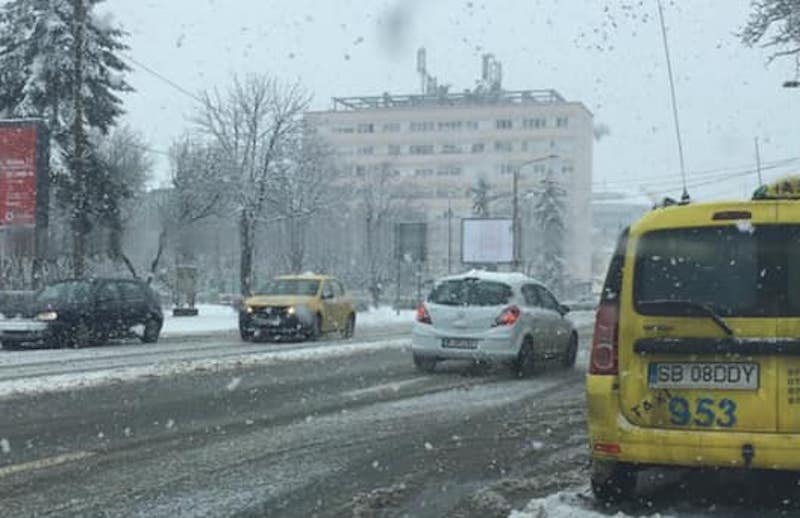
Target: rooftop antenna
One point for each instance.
(685, 195)
(422, 70)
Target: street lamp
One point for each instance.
(515, 226)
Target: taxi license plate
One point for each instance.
(700, 375)
(459, 343)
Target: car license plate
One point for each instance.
(700, 375)
(459, 343)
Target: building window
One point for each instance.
(343, 129)
(366, 128)
(503, 124)
(478, 147)
(360, 170)
(391, 127)
(451, 126)
(507, 169)
(472, 125)
(535, 123)
(394, 150)
(449, 171)
(504, 146)
(421, 126)
(451, 149)
(426, 149)
(539, 168)
(561, 122)
(423, 172)
(366, 150)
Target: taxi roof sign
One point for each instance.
(786, 188)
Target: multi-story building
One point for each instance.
(436, 148)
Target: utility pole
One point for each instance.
(515, 220)
(449, 237)
(80, 187)
(758, 163)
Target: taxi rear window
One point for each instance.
(736, 270)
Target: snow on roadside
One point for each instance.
(568, 504)
(216, 318)
(63, 382)
(581, 318)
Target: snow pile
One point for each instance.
(568, 504)
(384, 315)
(211, 318)
(582, 318)
(217, 318)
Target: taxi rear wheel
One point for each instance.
(350, 327)
(613, 482)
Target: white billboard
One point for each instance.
(487, 240)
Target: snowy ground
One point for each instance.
(214, 318)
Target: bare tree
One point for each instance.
(303, 188)
(774, 24)
(129, 163)
(250, 125)
(377, 194)
(196, 192)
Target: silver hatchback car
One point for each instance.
(500, 317)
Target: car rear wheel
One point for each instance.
(571, 353)
(425, 363)
(349, 328)
(613, 482)
(152, 328)
(81, 336)
(525, 363)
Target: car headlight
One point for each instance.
(248, 309)
(47, 316)
(291, 310)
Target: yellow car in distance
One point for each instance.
(297, 306)
(695, 361)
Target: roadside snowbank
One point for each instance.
(568, 504)
(216, 318)
(62, 382)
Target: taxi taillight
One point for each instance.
(603, 358)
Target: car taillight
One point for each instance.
(508, 317)
(603, 358)
(423, 317)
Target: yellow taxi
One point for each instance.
(695, 360)
(297, 306)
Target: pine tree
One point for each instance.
(549, 208)
(59, 62)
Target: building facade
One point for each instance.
(436, 149)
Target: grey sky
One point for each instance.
(726, 93)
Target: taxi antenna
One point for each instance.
(685, 195)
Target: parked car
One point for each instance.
(695, 361)
(79, 313)
(505, 317)
(297, 306)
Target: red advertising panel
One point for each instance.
(18, 176)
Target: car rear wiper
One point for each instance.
(687, 308)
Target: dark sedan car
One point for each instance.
(78, 313)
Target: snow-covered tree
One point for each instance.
(251, 125)
(303, 188)
(481, 198)
(549, 212)
(376, 193)
(774, 24)
(60, 62)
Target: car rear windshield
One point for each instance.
(291, 287)
(71, 292)
(470, 292)
(739, 270)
